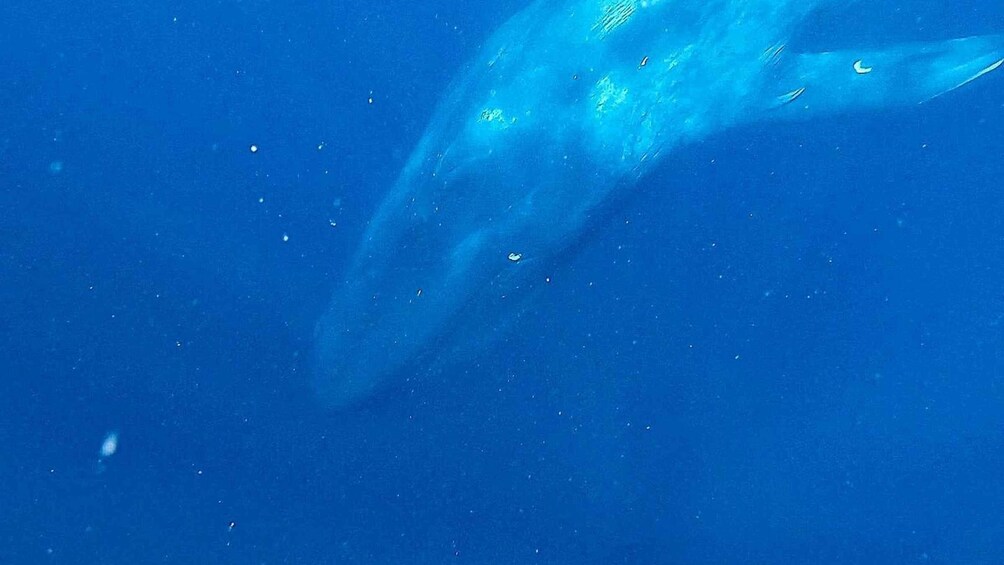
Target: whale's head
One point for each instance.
(454, 244)
(526, 147)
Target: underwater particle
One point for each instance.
(860, 68)
(56, 167)
(110, 444)
(644, 61)
(333, 223)
(515, 257)
(418, 293)
(253, 148)
(285, 237)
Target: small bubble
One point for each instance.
(253, 148)
(285, 238)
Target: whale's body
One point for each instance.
(566, 107)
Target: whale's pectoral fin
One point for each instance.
(843, 81)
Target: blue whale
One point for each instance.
(564, 109)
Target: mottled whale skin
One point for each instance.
(564, 109)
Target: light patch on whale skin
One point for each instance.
(989, 69)
(496, 118)
(982, 72)
(608, 95)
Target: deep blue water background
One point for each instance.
(785, 349)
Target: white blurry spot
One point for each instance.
(515, 257)
(254, 148)
(56, 167)
(285, 237)
(110, 444)
(333, 223)
(320, 146)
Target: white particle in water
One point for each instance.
(110, 444)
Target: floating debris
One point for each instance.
(860, 68)
(515, 257)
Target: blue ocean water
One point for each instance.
(785, 348)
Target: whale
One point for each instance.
(550, 126)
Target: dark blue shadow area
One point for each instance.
(785, 348)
